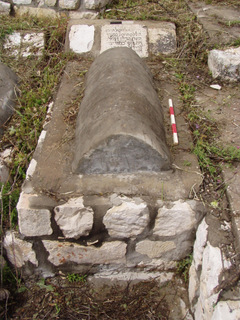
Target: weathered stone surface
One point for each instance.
(50, 3)
(193, 286)
(226, 310)
(32, 222)
(81, 38)
(128, 219)
(177, 218)
(19, 251)
(8, 83)
(225, 64)
(120, 96)
(4, 172)
(95, 4)
(74, 219)
(91, 15)
(200, 243)
(36, 12)
(132, 36)
(4, 7)
(162, 40)
(212, 267)
(22, 2)
(110, 252)
(154, 249)
(69, 4)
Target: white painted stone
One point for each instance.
(177, 219)
(225, 64)
(227, 310)
(74, 219)
(19, 251)
(128, 219)
(69, 4)
(4, 7)
(32, 222)
(154, 249)
(13, 42)
(110, 252)
(133, 36)
(162, 40)
(193, 286)
(22, 2)
(95, 4)
(81, 38)
(50, 3)
(31, 168)
(200, 243)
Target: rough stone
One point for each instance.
(32, 43)
(162, 40)
(128, 219)
(4, 7)
(225, 64)
(22, 2)
(69, 4)
(193, 286)
(229, 310)
(119, 96)
(81, 38)
(8, 83)
(19, 251)
(200, 243)
(50, 3)
(177, 219)
(154, 249)
(132, 36)
(32, 222)
(74, 219)
(4, 172)
(95, 4)
(36, 12)
(109, 253)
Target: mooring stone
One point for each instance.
(81, 38)
(18, 251)
(162, 40)
(8, 83)
(120, 125)
(225, 64)
(32, 222)
(133, 36)
(128, 219)
(74, 219)
(154, 249)
(65, 252)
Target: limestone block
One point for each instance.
(39, 13)
(19, 251)
(22, 2)
(176, 219)
(229, 310)
(154, 249)
(200, 243)
(74, 219)
(81, 38)
(95, 4)
(4, 7)
(110, 252)
(225, 64)
(32, 222)
(32, 43)
(128, 219)
(133, 36)
(50, 3)
(163, 39)
(69, 4)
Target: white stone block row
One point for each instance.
(135, 36)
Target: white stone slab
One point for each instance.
(69, 4)
(162, 40)
(133, 36)
(81, 38)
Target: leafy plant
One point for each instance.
(75, 277)
(183, 267)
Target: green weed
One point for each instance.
(183, 267)
(75, 277)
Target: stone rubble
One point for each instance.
(225, 64)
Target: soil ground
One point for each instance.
(64, 297)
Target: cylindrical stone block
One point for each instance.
(120, 125)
